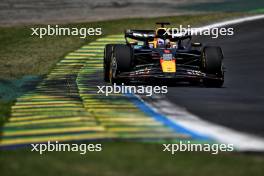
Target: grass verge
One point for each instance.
(130, 159)
(5, 108)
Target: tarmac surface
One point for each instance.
(240, 103)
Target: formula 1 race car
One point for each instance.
(155, 54)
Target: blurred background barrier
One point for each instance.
(64, 11)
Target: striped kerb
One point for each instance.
(65, 106)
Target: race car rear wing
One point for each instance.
(149, 35)
(140, 35)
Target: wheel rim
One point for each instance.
(112, 71)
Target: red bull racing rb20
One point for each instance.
(155, 55)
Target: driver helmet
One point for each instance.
(160, 43)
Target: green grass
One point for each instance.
(5, 108)
(130, 159)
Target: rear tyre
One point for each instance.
(212, 63)
(108, 51)
(122, 61)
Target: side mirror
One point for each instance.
(196, 44)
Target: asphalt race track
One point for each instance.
(240, 104)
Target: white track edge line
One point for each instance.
(181, 116)
(234, 21)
